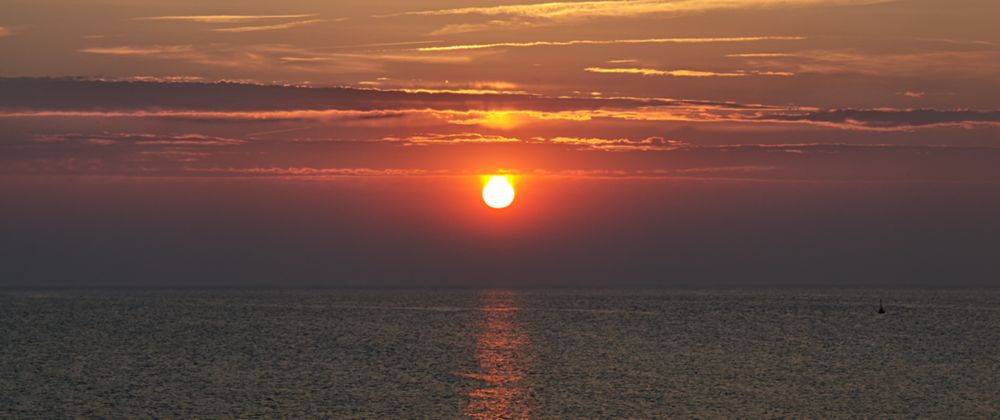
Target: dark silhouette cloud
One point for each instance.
(888, 118)
(88, 94)
(220, 101)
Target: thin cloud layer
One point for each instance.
(894, 119)
(759, 55)
(308, 60)
(456, 138)
(225, 18)
(274, 27)
(622, 144)
(68, 98)
(629, 8)
(463, 154)
(978, 62)
(315, 172)
(864, 66)
(77, 94)
(227, 129)
(684, 73)
(576, 143)
(610, 42)
(139, 139)
(152, 50)
(541, 14)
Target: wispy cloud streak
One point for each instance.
(540, 14)
(759, 55)
(301, 59)
(684, 73)
(275, 27)
(621, 144)
(225, 18)
(628, 8)
(318, 172)
(458, 138)
(578, 143)
(140, 139)
(610, 42)
(151, 50)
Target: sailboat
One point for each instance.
(881, 309)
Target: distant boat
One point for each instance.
(881, 309)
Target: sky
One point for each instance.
(651, 143)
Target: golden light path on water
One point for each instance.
(500, 391)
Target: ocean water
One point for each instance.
(500, 354)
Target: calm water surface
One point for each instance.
(500, 354)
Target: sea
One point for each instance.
(500, 354)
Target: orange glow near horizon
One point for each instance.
(498, 192)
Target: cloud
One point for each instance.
(506, 119)
(139, 139)
(279, 26)
(885, 120)
(878, 120)
(457, 138)
(470, 88)
(577, 143)
(628, 8)
(288, 57)
(685, 73)
(282, 115)
(225, 18)
(610, 42)
(111, 153)
(728, 170)
(913, 94)
(540, 14)
(622, 144)
(981, 63)
(336, 151)
(83, 94)
(306, 57)
(217, 55)
(158, 79)
(152, 50)
(894, 119)
(398, 172)
(310, 171)
(759, 55)
(463, 28)
(52, 98)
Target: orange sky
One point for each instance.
(901, 94)
(824, 53)
(665, 82)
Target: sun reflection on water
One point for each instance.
(499, 391)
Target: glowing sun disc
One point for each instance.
(498, 192)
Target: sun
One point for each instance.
(498, 192)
